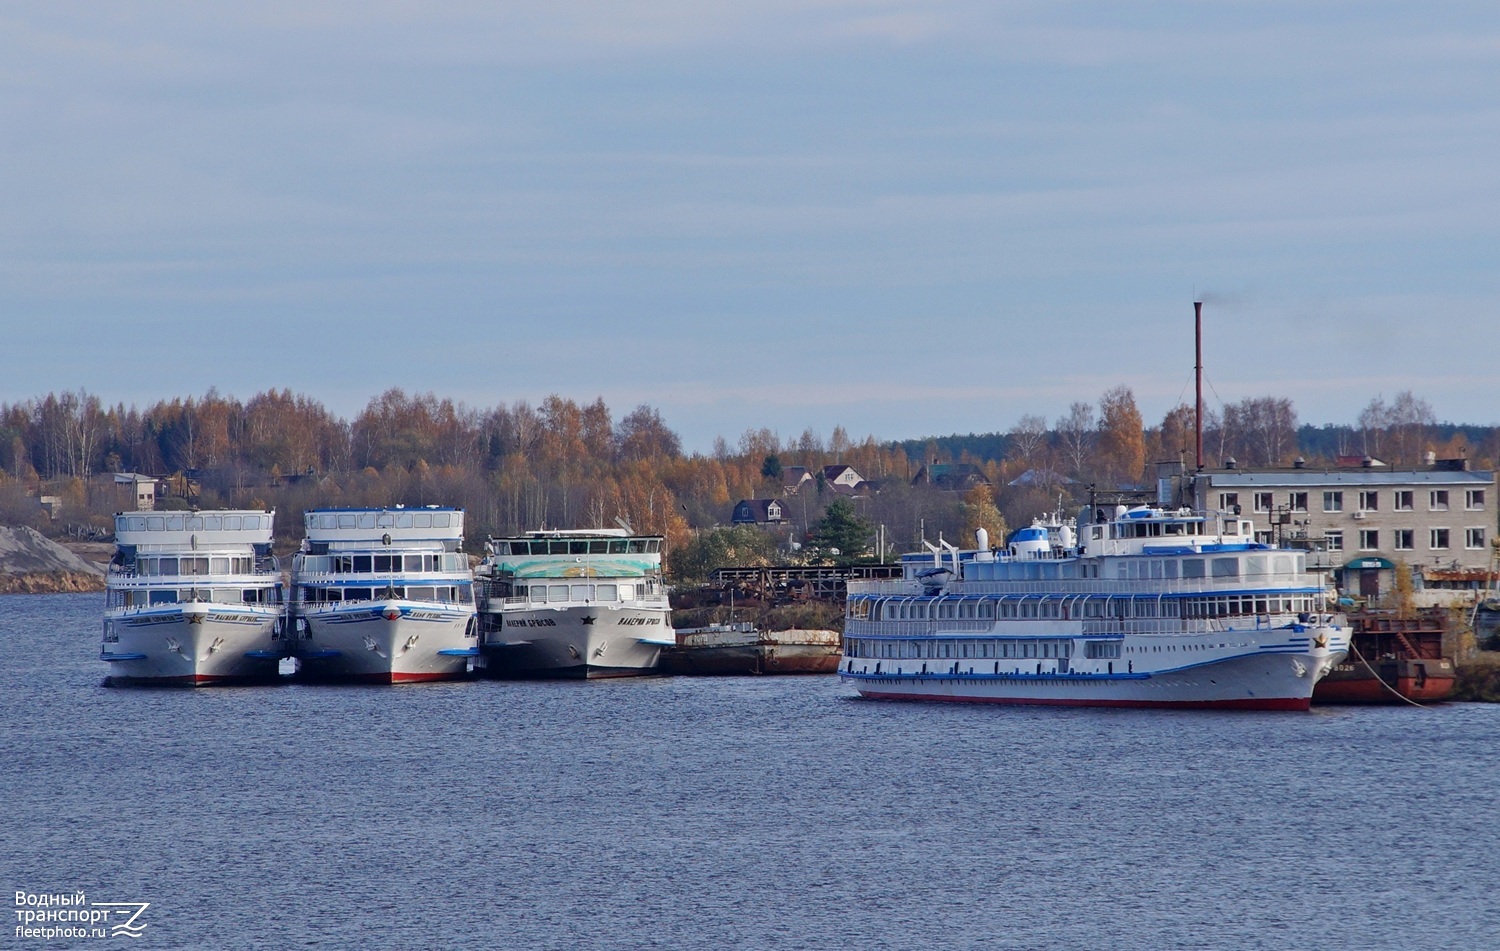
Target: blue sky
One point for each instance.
(902, 218)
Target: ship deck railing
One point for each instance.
(648, 601)
(1077, 627)
(1270, 583)
(119, 576)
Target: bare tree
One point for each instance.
(1077, 432)
(1374, 419)
(1027, 437)
(1411, 419)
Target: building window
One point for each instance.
(1263, 502)
(1369, 539)
(1437, 500)
(1473, 538)
(1369, 501)
(1404, 500)
(1439, 539)
(1474, 499)
(1333, 541)
(1333, 501)
(1298, 501)
(1405, 539)
(1229, 501)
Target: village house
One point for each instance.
(759, 512)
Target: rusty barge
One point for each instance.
(742, 649)
(1390, 659)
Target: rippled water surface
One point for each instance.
(728, 813)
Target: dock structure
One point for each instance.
(817, 583)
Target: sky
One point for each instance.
(902, 218)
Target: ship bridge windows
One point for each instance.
(1225, 567)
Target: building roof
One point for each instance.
(954, 475)
(1248, 478)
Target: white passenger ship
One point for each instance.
(193, 598)
(383, 595)
(586, 603)
(1142, 607)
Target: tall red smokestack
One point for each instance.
(1198, 379)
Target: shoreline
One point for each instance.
(51, 582)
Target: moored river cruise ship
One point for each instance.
(1136, 607)
(383, 595)
(193, 598)
(587, 603)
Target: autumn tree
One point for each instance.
(978, 511)
(1122, 437)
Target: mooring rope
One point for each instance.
(1381, 680)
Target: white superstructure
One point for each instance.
(383, 595)
(1135, 607)
(193, 598)
(585, 603)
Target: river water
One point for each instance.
(702, 813)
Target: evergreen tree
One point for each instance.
(843, 529)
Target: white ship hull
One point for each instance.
(1275, 670)
(192, 644)
(578, 641)
(385, 642)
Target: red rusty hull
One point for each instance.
(1424, 680)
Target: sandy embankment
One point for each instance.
(31, 563)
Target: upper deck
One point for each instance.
(1135, 552)
(355, 528)
(583, 553)
(217, 530)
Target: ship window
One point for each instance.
(221, 566)
(361, 564)
(557, 592)
(169, 566)
(227, 596)
(164, 597)
(987, 609)
(598, 548)
(422, 593)
(412, 563)
(1226, 567)
(578, 548)
(421, 520)
(617, 546)
(385, 520)
(637, 546)
(403, 520)
(627, 592)
(581, 592)
(366, 519)
(609, 592)
(443, 519)
(383, 562)
(349, 520)
(358, 594)
(539, 594)
(558, 547)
